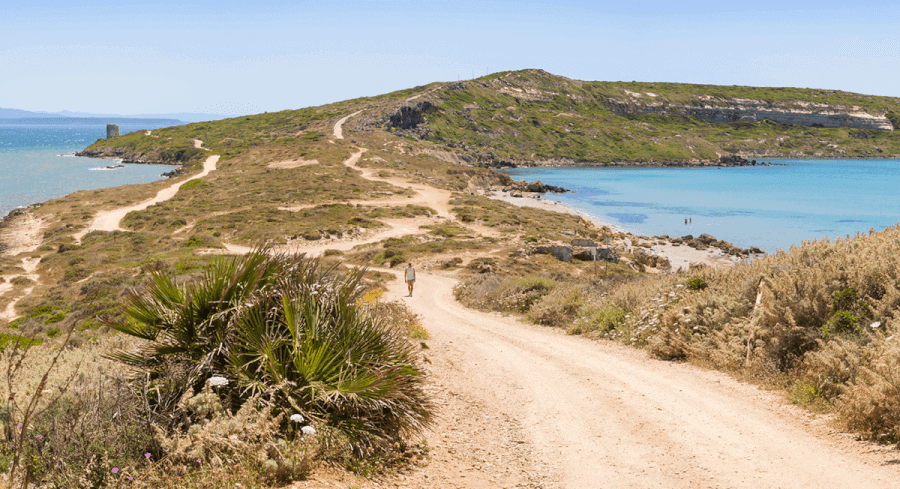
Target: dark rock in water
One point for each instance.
(697, 244)
(754, 249)
(705, 238)
(537, 187)
(687, 237)
(408, 117)
(735, 160)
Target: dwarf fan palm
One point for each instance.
(283, 328)
(309, 347)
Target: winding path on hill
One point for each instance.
(338, 130)
(109, 220)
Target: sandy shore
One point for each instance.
(680, 257)
(551, 205)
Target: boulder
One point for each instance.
(537, 187)
(583, 254)
(562, 253)
(697, 244)
(754, 249)
(651, 260)
(408, 117)
(608, 254)
(706, 239)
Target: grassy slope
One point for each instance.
(245, 202)
(556, 118)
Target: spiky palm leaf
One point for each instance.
(288, 330)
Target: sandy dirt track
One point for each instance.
(603, 415)
(109, 220)
(338, 130)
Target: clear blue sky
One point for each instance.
(228, 57)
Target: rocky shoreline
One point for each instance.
(132, 159)
(662, 253)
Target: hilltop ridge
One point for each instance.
(533, 118)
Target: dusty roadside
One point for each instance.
(598, 414)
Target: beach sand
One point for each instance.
(680, 257)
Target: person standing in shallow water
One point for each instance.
(410, 278)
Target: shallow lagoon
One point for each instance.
(767, 206)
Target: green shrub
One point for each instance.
(287, 331)
(601, 319)
(696, 283)
(840, 323)
(21, 281)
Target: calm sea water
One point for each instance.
(37, 162)
(771, 207)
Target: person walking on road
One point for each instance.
(410, 278)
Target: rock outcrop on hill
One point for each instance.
(717, 110)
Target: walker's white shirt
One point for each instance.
(410, 274)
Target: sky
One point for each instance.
(228, 57)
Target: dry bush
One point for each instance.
(227, 448)
(871, 404)
(560, 307)
(492, 292)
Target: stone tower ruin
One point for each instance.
(112, 131)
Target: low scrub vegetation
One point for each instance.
(252, 374)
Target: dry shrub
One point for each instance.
(825, 310)
(395, 313)
(87, 420)
(871, 404)
(560, 307)
(514, 294)
(246, 446)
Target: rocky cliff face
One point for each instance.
(717, 110)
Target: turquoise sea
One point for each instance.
(37, 161)
(771, 207)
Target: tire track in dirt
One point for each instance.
(605, 415)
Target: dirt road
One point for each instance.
(109, 220)
(597, 414)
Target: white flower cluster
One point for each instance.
(217, 381)
(306, 430)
